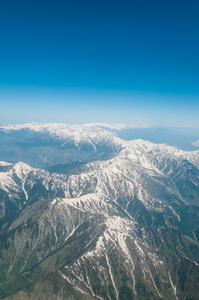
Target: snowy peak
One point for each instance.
(22, 170)
(78, 133)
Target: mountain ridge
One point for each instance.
(44, 145)
(118, 229)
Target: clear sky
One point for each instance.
(99, 61)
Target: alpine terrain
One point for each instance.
(85, 214)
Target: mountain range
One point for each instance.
(85, 214)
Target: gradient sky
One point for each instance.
(99, 61)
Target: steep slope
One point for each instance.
(124, 228)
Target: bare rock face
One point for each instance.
(122, 228)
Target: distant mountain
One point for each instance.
(46, 145)
(122, 228)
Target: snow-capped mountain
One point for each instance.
(122, 228)
(43, 145)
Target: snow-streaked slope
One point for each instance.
(141, 169)
(122, 228)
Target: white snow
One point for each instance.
(173, 287)
(5, 164)
(175, 213)
(111, 275)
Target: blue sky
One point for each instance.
(99, 61)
